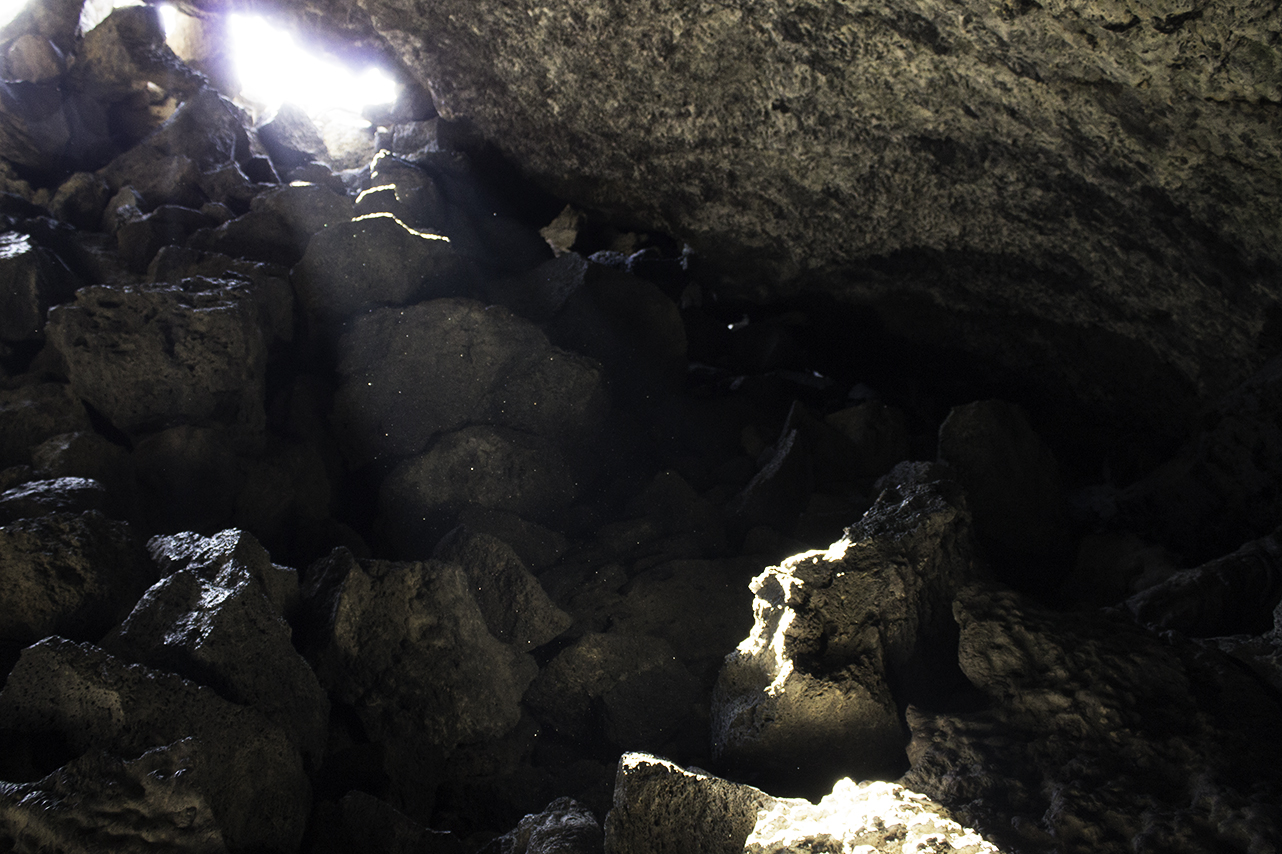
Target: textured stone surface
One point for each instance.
(62, 495)
(31, 280)
(246, 769)
(75, 575)
(837, 631)
(149, 357)
(410, 374)
(1098, 736)
(406, 645)
(662, 808)
(1033, 177)
(99, 802)
(32, 414)
(516, 608)
(565, 827)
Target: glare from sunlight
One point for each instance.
(9, 10)
(273, 69)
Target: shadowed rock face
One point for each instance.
(1101, 177)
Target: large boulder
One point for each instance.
(31, 280)
(409, 374)
(33, 414)
(150, 357)
(246, 768)
(406, 645)
(843, 636)
(74, 575)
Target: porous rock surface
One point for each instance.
(1032, 179)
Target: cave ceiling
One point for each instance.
(1094, 183)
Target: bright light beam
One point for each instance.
(273, 70)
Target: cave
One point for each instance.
(736, 426)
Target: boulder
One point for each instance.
(413, 373)
(406, 190)
(99, 802)
(89, 456)
(80, 200)
(71, 495)
(125, 51)
(32, 57)
(864, 817)
(31, 414)
(406, 646)
(266, 284)
(47, 130)
(537, 547)
(517, 611)
(291, 138)
(662, 808)
(74, 575)
(375, 260)
(488, 467)
(141, 237)
(842, 636)
(148, 357)
(279, 225)
(1013, 490)
(245, 767)
(31, 280)
(1089, 733)
(626, 691)
(564, 827)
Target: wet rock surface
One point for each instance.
(439, 529)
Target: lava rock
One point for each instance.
(809, 693)
(104, 803)
(267, 284)
(411, 374)
(538, 547)
(127, 49)
(405, 190)
(229, 554)
(517, 611)
(245, 767)
(869, 816)
(375, 260)
(406, 645)
(75, 575)
(71, 495)
(80, 200)
(1012, 488)
(291, 139)
(1092, 734)
(488, 467)
(31, 414)
(89, 456)
(661, 808)
(142, 237)
(564, 827)
(31, 280)
(279, 225)
(149, 357)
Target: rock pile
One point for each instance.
(340, 510)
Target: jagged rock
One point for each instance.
(182, 158)
(31, 280)
(375, 260)
(405, 644)
(267, 284)
(517, 611)
(564, 827)
(862, 819)
(75, 575)
(104, 803)
(70, 495)
(629, 690)
(125, 50)
(1234, 595)
(32, 414)
(81, 200)
(291, 138)
(661, 808)
(414, 196)
(86, 455)
(809, 693)
(778, 492)
(244, 766)
(45, 129)
(410, 374)
(230, 553)
(538, 547)
(224, 632)
(279, 225)
(33, 58)
(489, 467)
(152, 356)
(120, 209)
(1262, 653)
(142, 237)
(1096, 735)
(1012, 489)
(878, 432)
